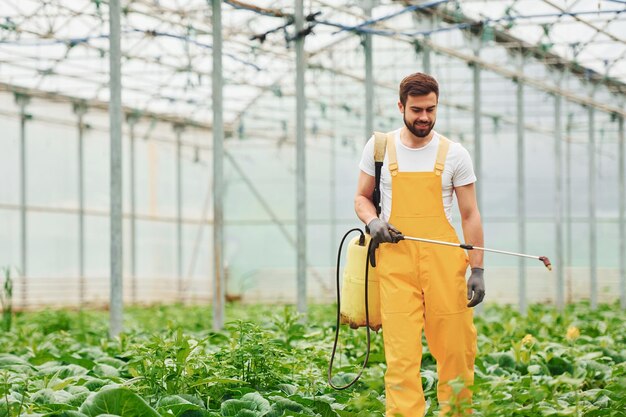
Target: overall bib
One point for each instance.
(423, 287)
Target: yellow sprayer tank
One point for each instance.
(353, 288)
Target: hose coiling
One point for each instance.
(367, 317)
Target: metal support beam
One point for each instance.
(477, 112)
(218, 170)
(568, 202)
(558, 203)
(22, 102)
(592, 209)
(178, 130)
(333, 166)
(300, 160)
(478, 163)
(80, 109)
(115, 116)
(132, 122)
(622, 215)
(369, 76)
(369, 87)
(521, 194)
(426, 49)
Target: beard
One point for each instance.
(421, 131)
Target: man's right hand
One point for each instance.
(381, 231)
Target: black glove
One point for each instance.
(476, 287)
(381, 231)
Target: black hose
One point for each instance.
(367, 315)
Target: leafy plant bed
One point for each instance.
(267, 364)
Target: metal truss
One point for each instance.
(61, 47)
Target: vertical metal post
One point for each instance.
(622, 214)
(218, 170)
(178, 129)
(369, 76)
(300, 161)
(592, 209)
(521, 194)
(478, 164)
(333, 166)
(568, 202)
(115, 116)
(80, 109)
(132, 122)
(22, 102)
(426, 48)
(558, 206)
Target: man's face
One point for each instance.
(420, 114)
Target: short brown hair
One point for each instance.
(418, 84)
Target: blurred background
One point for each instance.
(534, 89)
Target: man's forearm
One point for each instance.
(473, 234)
(364, 209)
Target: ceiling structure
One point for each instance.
(59, 48)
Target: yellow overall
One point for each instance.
(423, 287)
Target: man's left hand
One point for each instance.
(476, 287)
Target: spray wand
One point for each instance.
(544, 259)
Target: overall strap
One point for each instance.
(392, 159)
(442, 153)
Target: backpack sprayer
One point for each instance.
(354, 309)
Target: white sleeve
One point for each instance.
(367, 159)
(464, 170)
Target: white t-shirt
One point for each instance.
(458, 170)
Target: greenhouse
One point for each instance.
(179, 175)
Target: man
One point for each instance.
(422, 285)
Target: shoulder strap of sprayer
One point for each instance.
(380, 145)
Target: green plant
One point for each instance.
(268, 363)
(6, 299)
(289, 326)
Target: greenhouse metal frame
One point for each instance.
(252, 89)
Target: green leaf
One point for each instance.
(114, 362)
(65, 413)
(94, 384)
(118, 401)
(288, 388)
(107, 371)
(8, 359)
(252, 401)
(343, 378)
(284, 404)
(193, 399)
(49, 396)
(211, 381)
(15, 363)
(558, 366)
(235, 407)
(79, 398)
(62, 371)
(177, 406)
(77, 360)
(342, 413)
(324, 409)
(428, 379)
